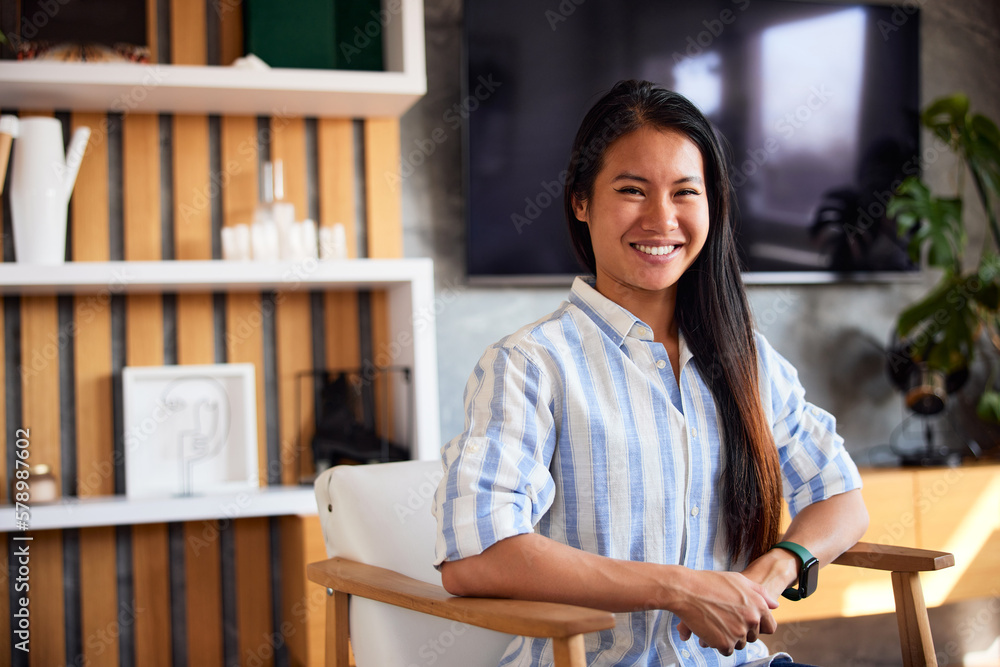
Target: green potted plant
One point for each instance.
(940, 333)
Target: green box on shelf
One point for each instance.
(316, 34)
(291, 33)
(360, 25)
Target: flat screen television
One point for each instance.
(819, 104)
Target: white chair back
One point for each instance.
(381, 515)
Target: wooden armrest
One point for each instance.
(894, 559)
(516, 617)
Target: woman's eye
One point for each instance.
(629, 190)
(689, 192)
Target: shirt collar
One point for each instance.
(616, 322)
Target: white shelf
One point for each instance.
(120, 511)
(131, 88)
(210, 275)
(409, 284)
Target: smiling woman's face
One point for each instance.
(648, 214)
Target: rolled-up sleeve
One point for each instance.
(814, 463)
(497, 482)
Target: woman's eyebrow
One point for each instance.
(629, 176)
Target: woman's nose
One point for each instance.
(662, 215)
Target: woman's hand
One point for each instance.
(775, 570)
(726, 610)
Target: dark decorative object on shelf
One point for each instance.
(346, 430)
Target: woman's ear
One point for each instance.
(580, 209)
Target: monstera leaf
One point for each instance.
(932, 221)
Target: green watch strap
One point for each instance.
(797, 549)
(805, 557)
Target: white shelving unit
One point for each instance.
(131, 88)
(409, 284)
(120, 511)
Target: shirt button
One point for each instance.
(694, 433)
(643, 332)
(695, 511)
(685, 653)
(661, 364)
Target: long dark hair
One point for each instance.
(711, 310)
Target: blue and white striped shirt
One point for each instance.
(576, 429)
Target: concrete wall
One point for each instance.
(832, 333)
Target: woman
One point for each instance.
(628, 452)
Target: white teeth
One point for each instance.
(655, 250)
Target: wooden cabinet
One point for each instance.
(943, 509)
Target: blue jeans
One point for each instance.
(785, 662)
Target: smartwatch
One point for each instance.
(808, 571)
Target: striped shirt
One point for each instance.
(577, 429)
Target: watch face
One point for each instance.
(810, 578)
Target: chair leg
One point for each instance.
(336, 629)
(914, 626)
(569, 652)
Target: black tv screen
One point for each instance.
(819, 103)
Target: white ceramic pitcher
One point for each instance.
(42, 179)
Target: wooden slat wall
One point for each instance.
(293, 318)
(385, 240)
(304, 602)
(335, 139)
(245, 344)
(94, 399)
(196, 324)
(144, 347)
(41, 415)
(302, 540)
(147, 638)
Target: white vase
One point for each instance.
(42, 179)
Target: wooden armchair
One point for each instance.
(379, 533)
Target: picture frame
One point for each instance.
(189, 430)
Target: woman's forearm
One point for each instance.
(533, 567)
(725, 609)
(827, 529)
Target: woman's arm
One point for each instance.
(826, 528)
(722, 608)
